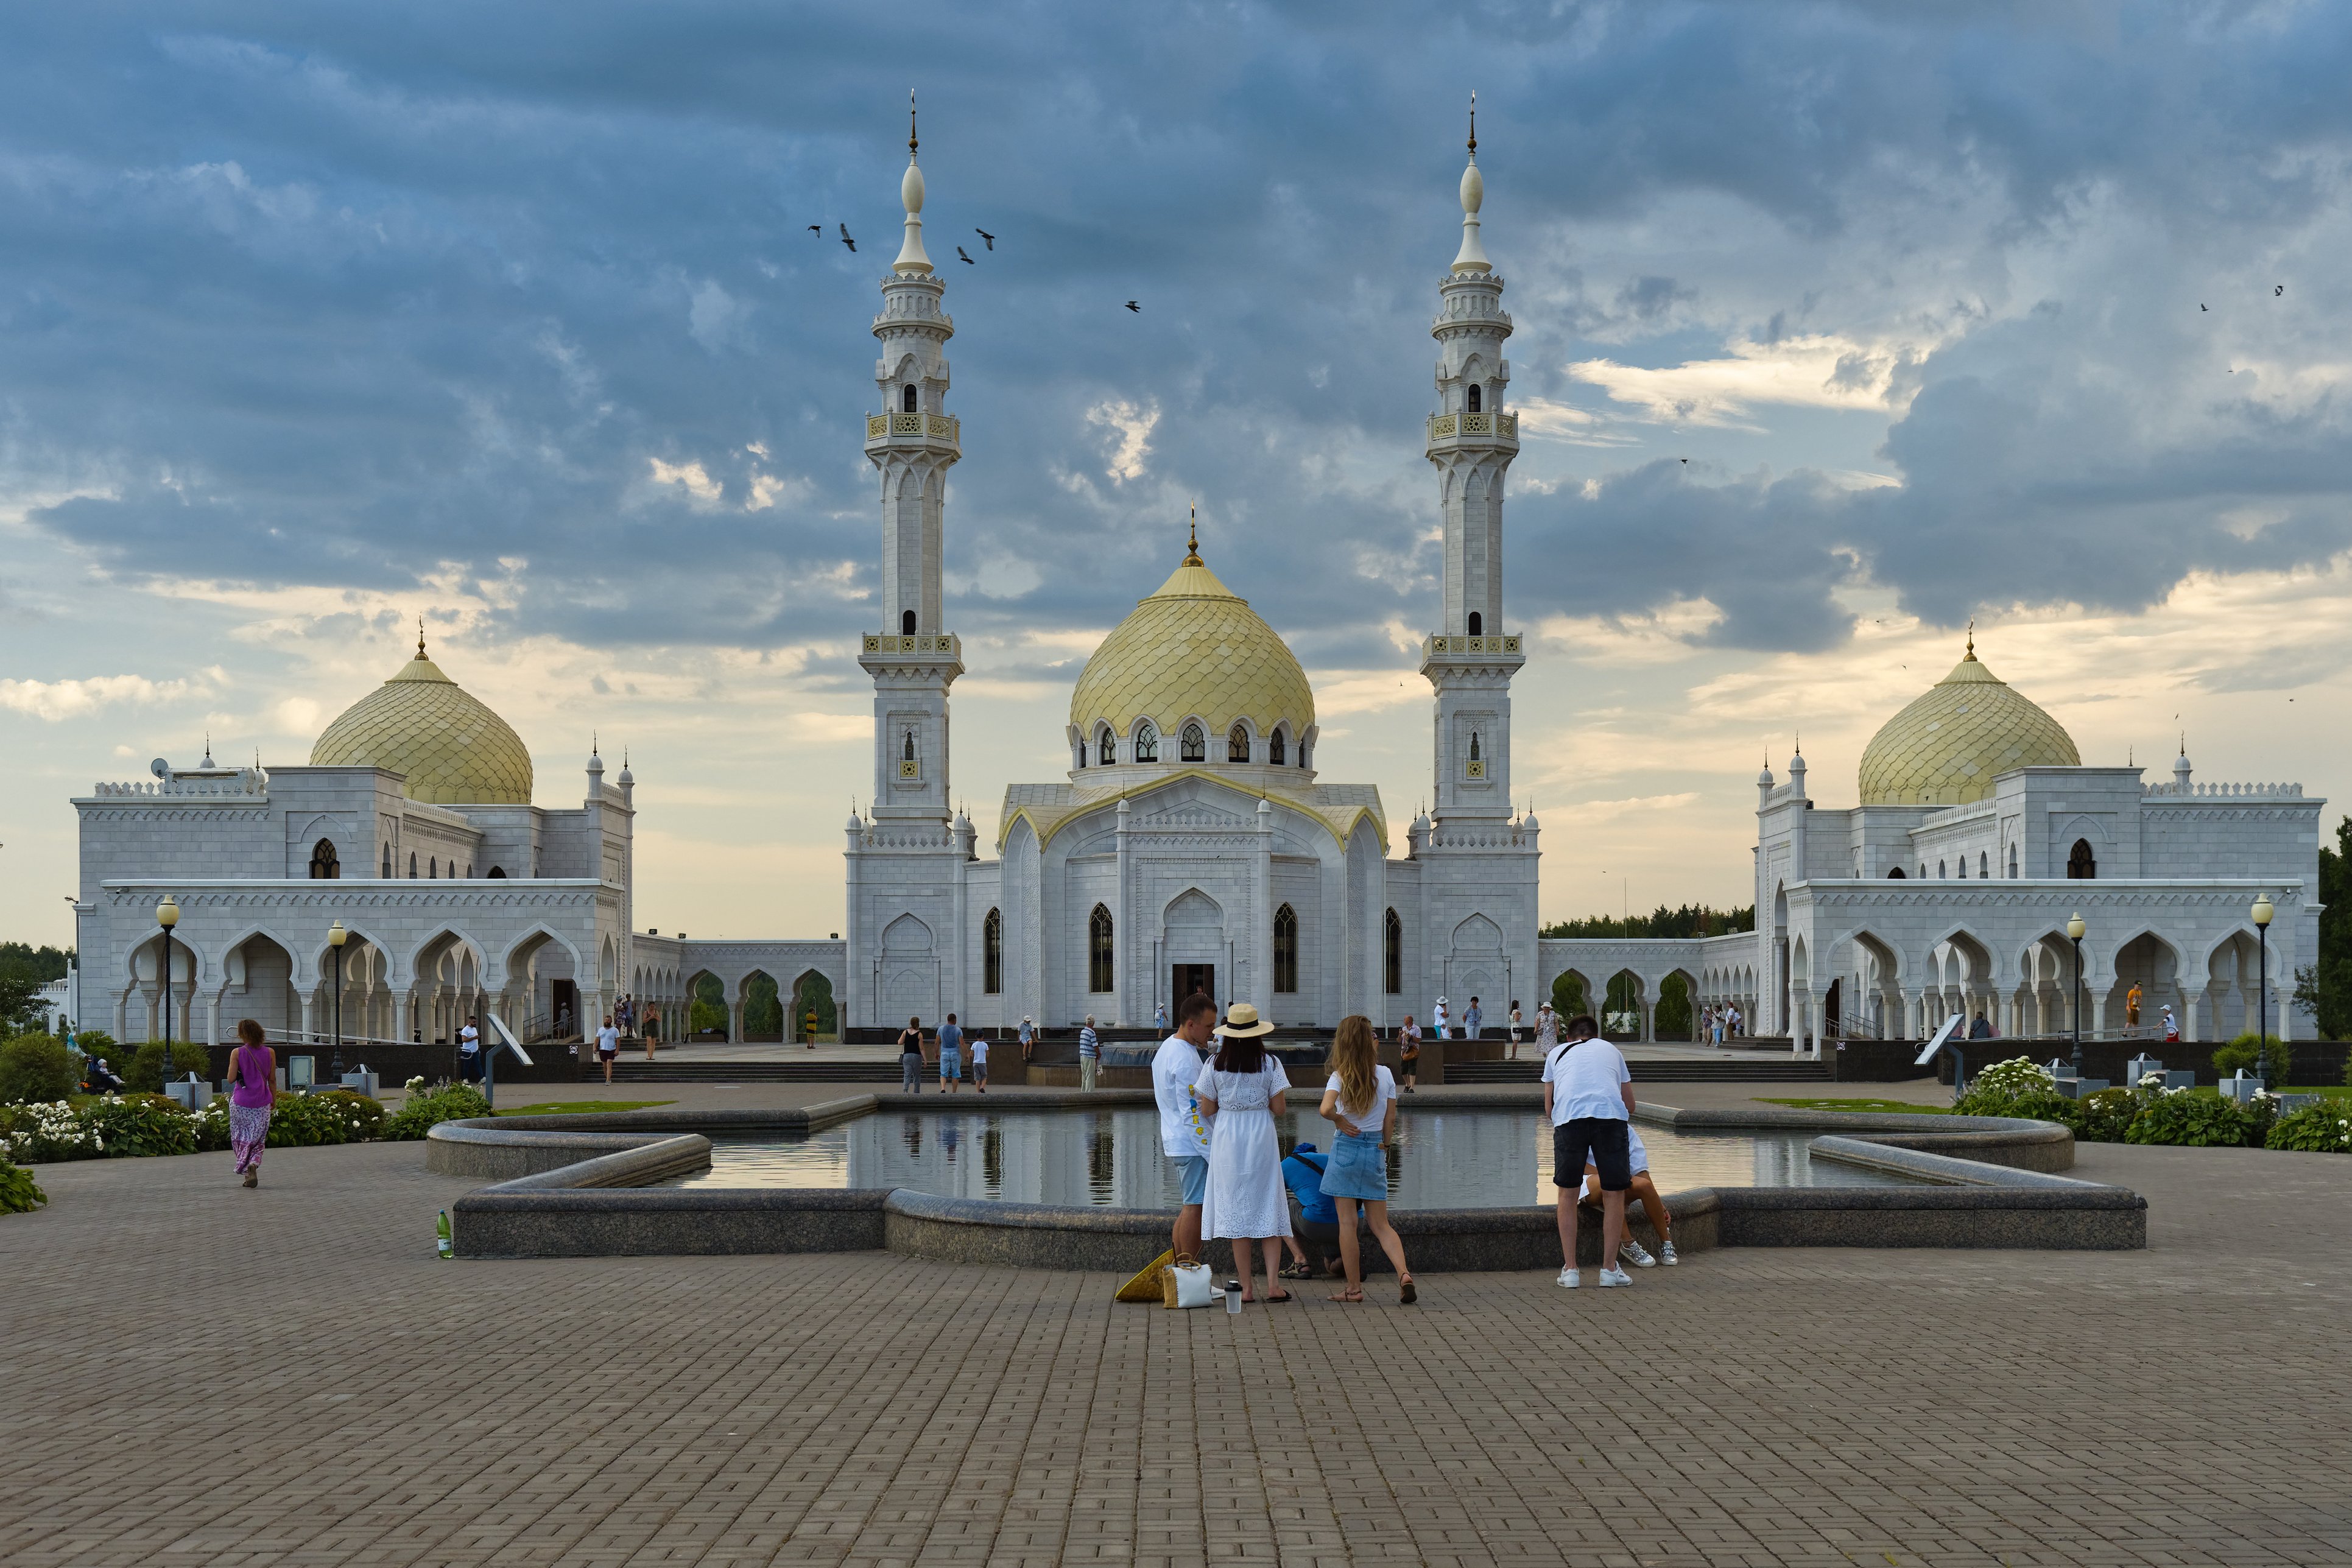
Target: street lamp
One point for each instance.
(2074, 929)
(2262, 912)
(336, 937)
(167, 915)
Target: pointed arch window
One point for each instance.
(433, 869)
(1286, 951)
(1941, 872)
(387, 861)
(1106, 749)
(1196, 743)
(1275, 753)
(498, 873)
(906, 623)
(1896, 874)
(323, 866)
(412, 865)
(2012, 863)
(2081, 865)
(1477, 623)
(991, 953)
(1475, 398)
(1147, 742)
(1984, 867)
(1238, 744)
(907, 403)
(1102, 970)
(1392, 955)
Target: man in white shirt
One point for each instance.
(608, 1046)
(470, 1052)
(1183, 1131)
(1437, 1021)
(977, 1044)
(1589, 1099)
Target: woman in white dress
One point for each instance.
(1239, 1090)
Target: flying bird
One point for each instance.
(816, 229)
(1685, 459)
(989, 238)
(965, 260)
(1131, 305)
(2277, 289)
(2200, 308)
(845, 239)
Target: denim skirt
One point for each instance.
(1355, 1169)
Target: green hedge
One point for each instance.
(128, 1126)
(426, 1109)
(37, 1067)
(2322, 1128)
(19, 1193)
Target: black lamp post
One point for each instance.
(2074, 929)
(336, 937)
(2262, 912)
(167, 915)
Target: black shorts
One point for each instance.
(1598, 1140)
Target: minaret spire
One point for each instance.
(1192, 543)
(913, 261)
(1473, 255)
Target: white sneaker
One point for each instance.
(1568, 1279)
(1615, 1277)
(1634, 1253)
(1666, 1255)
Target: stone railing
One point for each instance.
(909, 836)
(1499, 426)
(2224, 791)
(1504, 645)
(247, 785)
(944, 644)
(940, 426)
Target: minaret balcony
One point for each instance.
(1474, 429)
(1499, 649)
(907, 432)
(929, 645)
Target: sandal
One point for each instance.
(1295, 1272)
(1406, 1294)
(1349, 1296)
(1280, 1296)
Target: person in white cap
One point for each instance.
(1437, 1021)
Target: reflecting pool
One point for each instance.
(1111, 1158)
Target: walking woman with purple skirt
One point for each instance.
(252, 1088)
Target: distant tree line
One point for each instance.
(2323, 987)
(1689, 920)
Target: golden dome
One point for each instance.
(454, 750)
(1946, 746)
(1193, 650)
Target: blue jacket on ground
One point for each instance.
(1303, 1172)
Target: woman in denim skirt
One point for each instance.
(1359, 1101)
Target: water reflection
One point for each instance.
(1111, 1159)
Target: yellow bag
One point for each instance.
(1146, 1285)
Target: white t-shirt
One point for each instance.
(608, 1038)
(1183, 1131)
(1585, 1080)
(977, 1045)
(469, 1040)
(1637, 1159)
(1383, 1092)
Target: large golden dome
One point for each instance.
(454, 750)
(1947, 745)
(1193, 650)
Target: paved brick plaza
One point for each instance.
(199, 1374)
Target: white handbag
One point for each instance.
(1185, 1284)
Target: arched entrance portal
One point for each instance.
(814, 1018)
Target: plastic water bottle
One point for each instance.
(1233, 1297)
(441, 1229)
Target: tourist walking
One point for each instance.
(2131, 1007)
(652, 1027)
(252, 1091)
(1588, 1097)
(1409, 1052)
(1089, 1055)
(951, 1055)
(1160, 1016)
(978, 1045)
(1645, 1192)
(1547, 1029)
(1359, 1101)
(2171, 1028)
(1240, 1090)
(1183, 1130)
(608, 1046)
(1514, 1032)
(910, 1056)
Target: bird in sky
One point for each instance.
(845, 239)
(965, 260)
(2200, 307)
(1685, 459)
(816, 229)
(987, 238)
(1131, 305)
(2277, 289)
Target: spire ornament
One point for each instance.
(913, 260)
(420, 636)
(1473, 255)
(1192, 543)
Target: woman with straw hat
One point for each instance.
(1239, 1090)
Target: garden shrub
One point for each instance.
(145, 1074)
(96, 1042)
(43, 1130)
(2185, 1118)
(20, 1194)
(306, 1121)
(2266, 1055)
(2018, 1087)
(2106, 1117)
(451, 1103)
(130, 1126)
(37, 1067)
(2325, 1127)
(210, 1126)
(362, 1118)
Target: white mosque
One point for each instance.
(1194, 842)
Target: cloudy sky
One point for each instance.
(1838, 326)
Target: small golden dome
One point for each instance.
(1947, 745)
(1193, 650)
(452, 749)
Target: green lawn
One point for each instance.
(1903, 1107)
(580, 1107)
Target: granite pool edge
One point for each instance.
(569, 1193)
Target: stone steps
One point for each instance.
(1770, 1070)
(642, 1071)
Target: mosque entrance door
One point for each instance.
(1186, 978)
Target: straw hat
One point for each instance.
(1242, 1022)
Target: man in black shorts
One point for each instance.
(1589, 1098)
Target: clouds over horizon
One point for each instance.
(1808, 298)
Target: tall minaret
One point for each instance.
(913, 443)
(1471, 441)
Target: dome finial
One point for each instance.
(1972, 640)
(910, 125)
(1192, 543)
(913, 260)
(1472, 257)
(420, 636)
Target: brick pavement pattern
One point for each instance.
(199, 1374)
